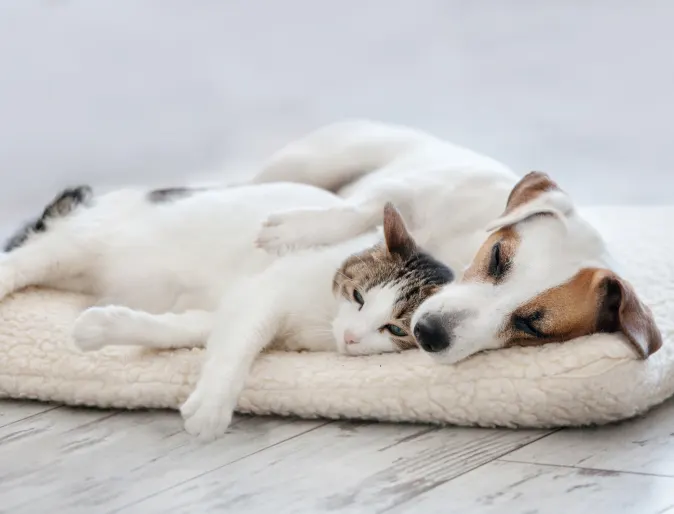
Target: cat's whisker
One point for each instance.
(360, 259)
(339, 272)
(319, 335)
(324, 312)
(319, 332)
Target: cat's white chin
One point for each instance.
(372, 344)
(364, 325)
(355, 349)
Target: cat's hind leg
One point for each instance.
(61, 206)
(50, 251)
(98, 327)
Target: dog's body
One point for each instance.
(447, 194)
(542, 275)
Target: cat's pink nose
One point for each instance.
(350, 337)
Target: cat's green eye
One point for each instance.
(396, 330)
(358, 298)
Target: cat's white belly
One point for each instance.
(186, 254)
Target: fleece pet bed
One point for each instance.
(591, 380)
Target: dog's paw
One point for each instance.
(301, 228)
(97, 327)
(292, 229)
(207, 413)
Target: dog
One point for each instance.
(533, 271)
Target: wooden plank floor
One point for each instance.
(66, 460)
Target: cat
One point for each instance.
(179, 268)
(375, 293)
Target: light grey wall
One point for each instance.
(113, 92)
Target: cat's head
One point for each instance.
(380, 288)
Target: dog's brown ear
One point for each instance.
(536, 193)
(620, 310)
(398, 239)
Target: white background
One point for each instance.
(138, 91)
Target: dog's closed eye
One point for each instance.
(498, 264)
(529, 324)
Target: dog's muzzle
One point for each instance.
(435, 332)
(432, 334)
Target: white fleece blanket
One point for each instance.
(593, 380)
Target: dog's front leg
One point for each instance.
(305, 228)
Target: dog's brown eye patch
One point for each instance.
(494, 258)
(558, 314)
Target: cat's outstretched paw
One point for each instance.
(208, 412)
(306, 228)
(98, 327)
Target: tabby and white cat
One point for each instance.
(160, 265)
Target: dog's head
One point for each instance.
(539, 277)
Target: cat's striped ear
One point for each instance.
(398, 239)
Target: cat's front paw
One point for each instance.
(97, 327)
(304, 228)
(208, 412)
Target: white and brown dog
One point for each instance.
(535, 272)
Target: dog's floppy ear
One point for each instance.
(536, 193)
(398, 238)
(620, 310)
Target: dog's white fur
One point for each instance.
(551, 251)
(447, 194)
(451, 198)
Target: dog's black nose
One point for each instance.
(432, 334)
